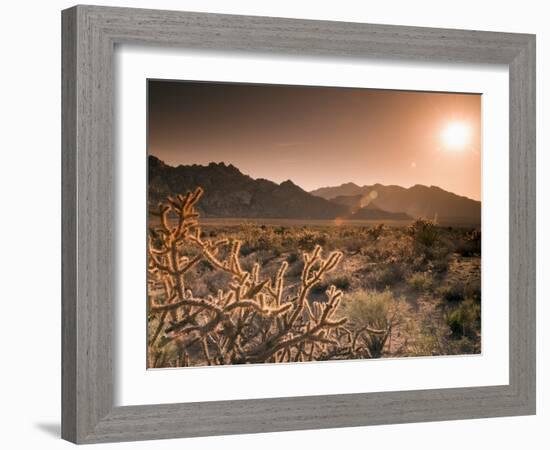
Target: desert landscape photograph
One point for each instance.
(291, 224)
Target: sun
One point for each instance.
(456, 136)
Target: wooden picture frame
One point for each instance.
(90, 34)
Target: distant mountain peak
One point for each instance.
(290, 184)
(153, 160)
(350, 184)
(221, 164)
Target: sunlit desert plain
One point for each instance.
(256, 290)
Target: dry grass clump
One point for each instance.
(465, 319)
(370, 310)
(427, 339)
(464, 322)
(420, 281)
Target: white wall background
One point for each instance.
(30, 186)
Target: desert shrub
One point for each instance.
(368, 308)
(292, 257)
(280, 230)
(423, 336)
(306, 241)
(376, 231)
(420, 281)
(464, 346)
(264, 257)
(343, 283)
(309, 240)
(426, 344)
(389, 275)
(373, 254)
(247, 249)
(265, 242)
(368, 314)
(296, 269)
(458, 290)
(423, 232)
(234, 315)
(465, 320)
(470, 244)
(214, 281)
(472, 290)
(261, 238)
(453, 292)
(204, 266)
(439, 262)
(354, 245)
(289, 241)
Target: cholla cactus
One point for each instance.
(254, 319)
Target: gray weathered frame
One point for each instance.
(89, 36)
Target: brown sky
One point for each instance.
(318, 136)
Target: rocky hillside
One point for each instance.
(230, 193)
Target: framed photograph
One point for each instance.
(277, 224)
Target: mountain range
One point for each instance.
(417, 201)
(230, 193)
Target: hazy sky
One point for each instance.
(319, 136)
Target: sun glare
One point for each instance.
(456, 136)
